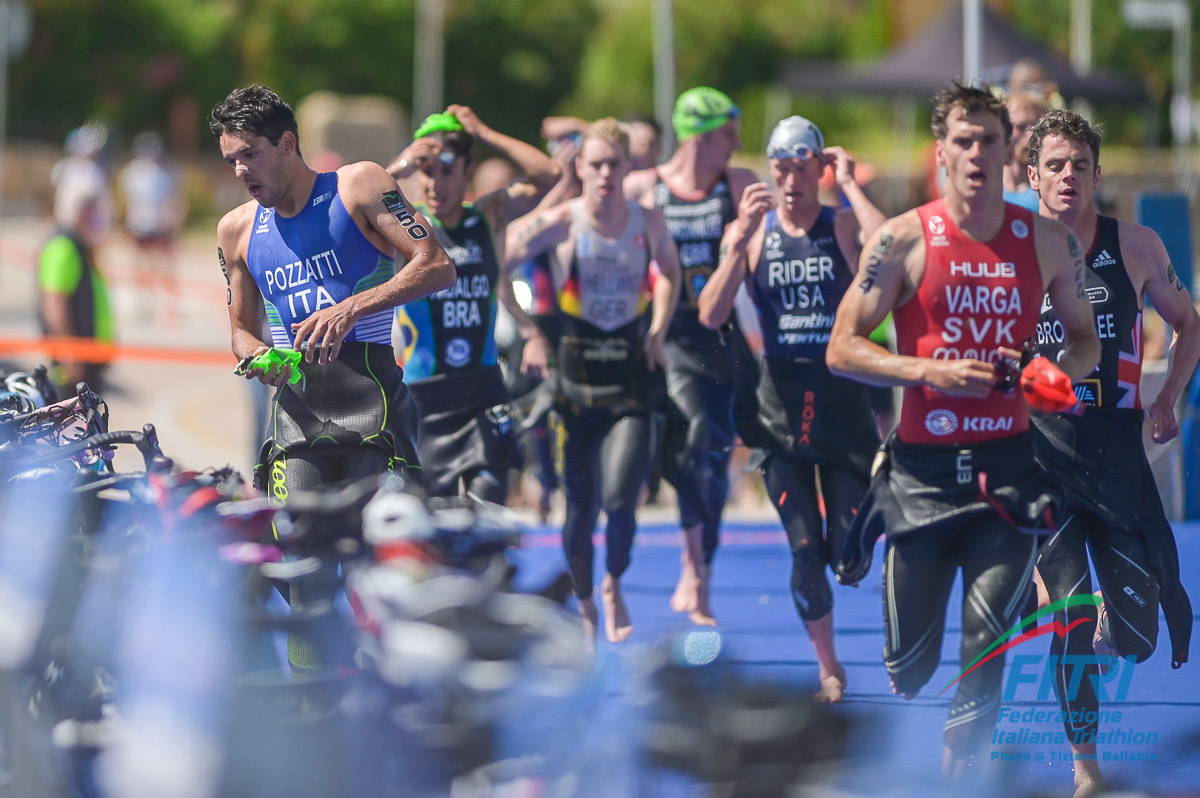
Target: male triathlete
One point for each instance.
(796, 258)
(1113, 509)
(609, 350)
(698, 193)
(959, 487)
(466, 439)
(319, 250)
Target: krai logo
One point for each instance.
(1042, 672)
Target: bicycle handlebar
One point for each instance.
(146, 442)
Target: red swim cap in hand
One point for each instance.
(1047, 388)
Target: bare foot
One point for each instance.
(617, 625)
(686, 597)
(591, 622)
(833, 687)
(1088, 781)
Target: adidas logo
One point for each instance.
(1104, 259)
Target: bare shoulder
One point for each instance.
(551, 223)
(235, 224)
(639, 186)
(557, 214)
(364, 176)
(1055, 241)
(901, 234)
(1052, 230)
(1140, 243)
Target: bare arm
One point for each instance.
(891, 269)
(243, 297)
(1061, 259)
(639, 187)
(529, 237)
(389, 222)
(738, 250)
(739, 180)
(568, 185)
(863, 219)
(1148, 262)
(541, 172)
(666, 286)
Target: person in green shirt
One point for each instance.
(72, 295)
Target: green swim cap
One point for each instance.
(437, 123)
(700, 110)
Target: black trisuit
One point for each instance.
(604, 390)
(806, 421)
(453, 373)
(1114, 510)
(698, 437)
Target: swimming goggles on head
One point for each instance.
(800, 151)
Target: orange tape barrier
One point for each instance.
(86, 350)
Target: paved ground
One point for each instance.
(202, 412)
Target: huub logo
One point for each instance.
(992, 270)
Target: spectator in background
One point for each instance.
(155, 209)
(1024, 108)
(81, 166)
(645, 141)
(491, 174)
(72, 294)
(1031, 75)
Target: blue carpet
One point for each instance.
(1156, 737)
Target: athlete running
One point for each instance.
(465, 440)
(1113, 508)
(319, 251)
(796, 258)
(958, 487)
(609, 350)
(698, 193)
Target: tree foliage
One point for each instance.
(125, 61)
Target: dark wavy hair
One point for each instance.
(253, 109)
(459, 142)
(1068, 125)
(970, 99)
